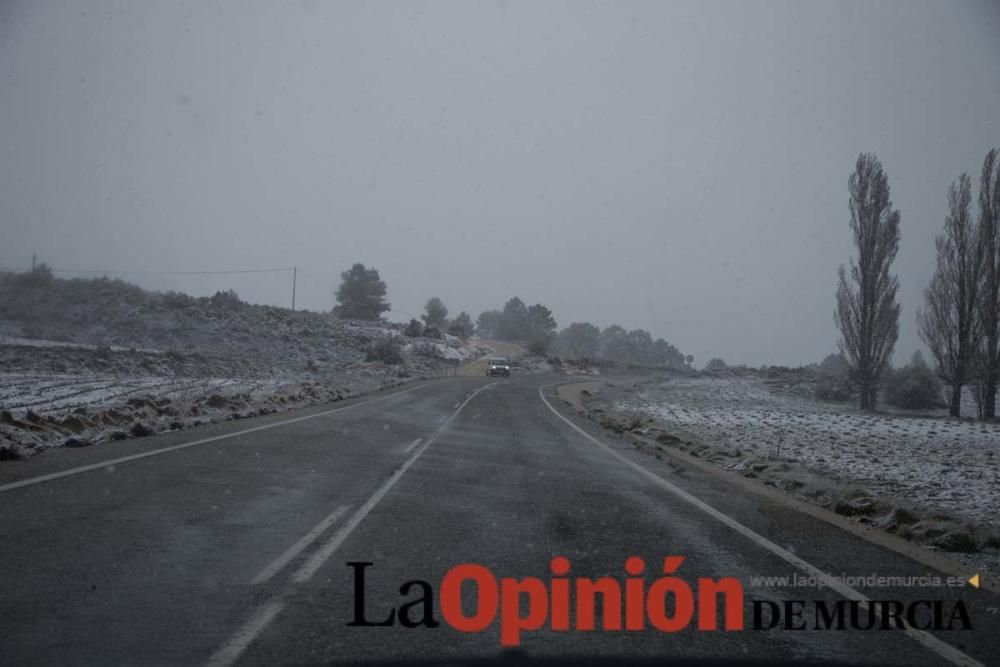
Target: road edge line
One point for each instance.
(929, 641)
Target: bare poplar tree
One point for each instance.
(867, 311)
(948, 322)
(988, 353)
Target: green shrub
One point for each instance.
(716, 364)
(539, 342)
(914, 387)
(386, 350)
(415, 329)
(428, 350)
(227, 300)
(833, 379)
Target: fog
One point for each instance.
(679, 167)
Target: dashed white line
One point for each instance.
(294, 550)
(249, 631)
(413, 444)
(321, 555)
(945, 650)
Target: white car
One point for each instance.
(498, 366)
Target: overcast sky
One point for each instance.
(679, 167)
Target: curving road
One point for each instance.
(229, 544)
(478, 368)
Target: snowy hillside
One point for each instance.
(85, 361)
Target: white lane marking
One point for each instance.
(456, 405)
(413, 444)
(946, 651)
(322, 554)
(281, 561)
(249, 631)
(156, 452)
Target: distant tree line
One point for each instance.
(361, 295)
(532, 326)
(535, 327)
(435, 321)
(583, 340)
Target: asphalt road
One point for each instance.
(234, 549)
(500, 349)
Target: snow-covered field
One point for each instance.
(944, 465)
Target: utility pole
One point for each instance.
(295, 275)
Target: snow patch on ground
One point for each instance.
(41, 342)
(943, 464)
(42, 411)
(450, 348)
(50, 394)
(932, 480)
(79, 394)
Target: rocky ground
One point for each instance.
(930, 479)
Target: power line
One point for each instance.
(162, 273)
(175, 273)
